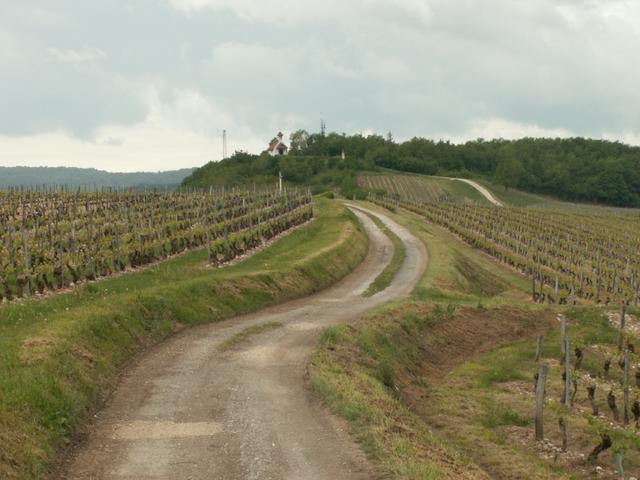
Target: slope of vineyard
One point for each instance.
(420, 188)
(567, 254)
(60, 355)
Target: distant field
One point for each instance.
(421, 188)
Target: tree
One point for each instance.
(509, 170)
(299, 140)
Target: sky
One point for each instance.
(130, 85)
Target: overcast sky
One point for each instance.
(150, 84)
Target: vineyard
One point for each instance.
(567, 254)
(416, 188)
(52, 240)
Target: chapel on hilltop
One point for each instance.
(277, 146)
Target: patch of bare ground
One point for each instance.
(474, 331)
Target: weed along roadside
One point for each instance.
(61, 356)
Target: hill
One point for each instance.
(319, 172)
(571, 169)
(574, 170)
(89, 177)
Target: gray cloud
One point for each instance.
(102, 71)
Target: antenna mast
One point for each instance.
(224, 144)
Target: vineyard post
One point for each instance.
(563, 433)
(625, 383)
(25, 250)
(567, 372)
(533, 288)
(538, 347)
(118, 257)
(623, 318)
(563, 337)
(542, 379)
(619, 466)
(90, 239)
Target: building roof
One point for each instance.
(275, 143)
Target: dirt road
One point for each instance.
(483, 191)
(191, 410)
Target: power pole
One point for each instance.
(224, 144)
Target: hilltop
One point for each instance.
(573, 169)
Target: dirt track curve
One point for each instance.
(188, 410)
(483, 191)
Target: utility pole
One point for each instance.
(224, 144)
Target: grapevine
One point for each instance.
(53, 239)
(567, 254)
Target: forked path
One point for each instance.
(191, 410)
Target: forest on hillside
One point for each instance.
(88, 178)
(572, 169)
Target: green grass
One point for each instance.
(355, 372)
(61, 355)
(247, 333)
(497, 388)
(517, 198)
(385, 278)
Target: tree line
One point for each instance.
(572, 169)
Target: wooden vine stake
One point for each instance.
(625, 384)
(619, 466)
(623, 317)
(539, 347)
(563, 337)
(591, 392)
(567, 373)
(542, 380)
(563, 432)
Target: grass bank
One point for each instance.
(61, 355)
(385, 278)
(499, 395)
(378, 372)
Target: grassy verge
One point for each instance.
(499, 398)
(59, 356)
(355, 372)
(385, 278)
(376, 372)
(246, 334)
